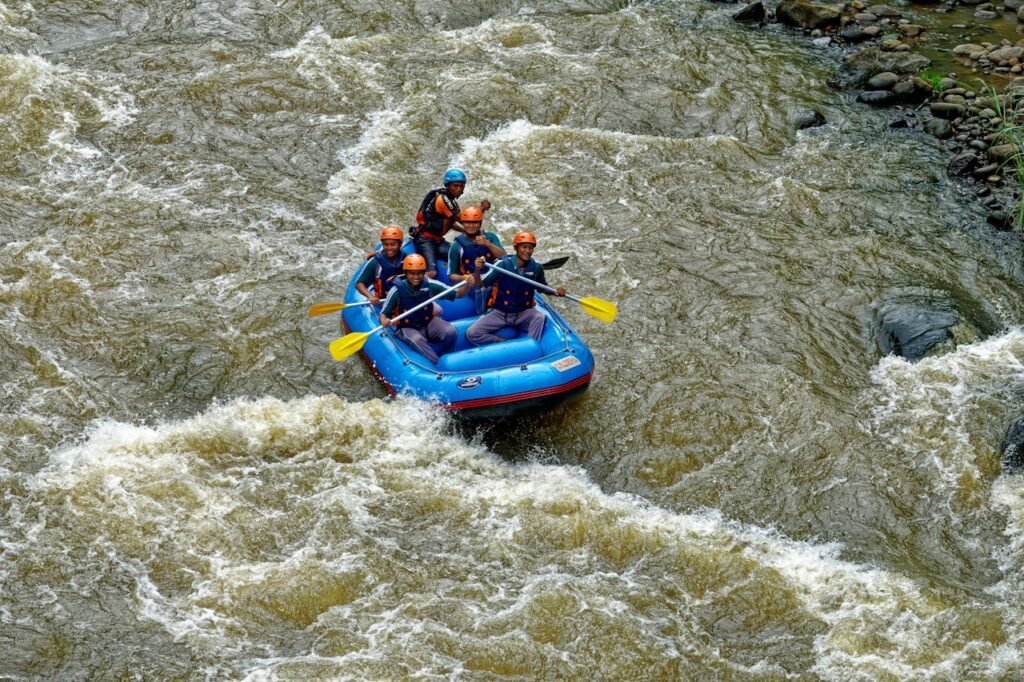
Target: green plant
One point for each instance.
(1010, 131)
(933, 79)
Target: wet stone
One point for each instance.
(854, 34)
(999, 220)
(884, 11)
(939, 127)
(907, 90)
(946, 110)
(1002, 152)
(961, 164)
(877, 98)
(752, 13)
(883, 81)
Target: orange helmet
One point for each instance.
(414, 261)
(391, 232)
(524, 238)
(471, 214)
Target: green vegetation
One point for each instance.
(933, 79)
(1010, 130)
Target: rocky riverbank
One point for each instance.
(911, 59)
(954, 71)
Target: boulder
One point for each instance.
(1002, 152)
(808, 15)
(883, 81)
(913, 322)
(1005, 54)
(753, 13)
(862, 64)
(968, 50)
(912, 330)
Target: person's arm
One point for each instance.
(491, 273)
(447, 207)
(454, 262)
(390, 301)
(437, 287)
(493, 244)
(367, 276)
(559, 291)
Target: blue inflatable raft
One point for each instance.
(496, 380)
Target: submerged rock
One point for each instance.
(807, 119)
(1013, 447)
(911, 330)
(917, 322)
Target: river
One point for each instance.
(192, 488)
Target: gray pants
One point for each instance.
(482, 331)
(432, 251)
(436, 330)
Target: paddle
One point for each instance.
(596, 307)
(350, 343)
(555, 263)
(328, 308)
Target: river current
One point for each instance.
(191, 488)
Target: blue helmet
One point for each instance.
(454, 175)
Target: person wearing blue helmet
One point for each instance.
(438, 213)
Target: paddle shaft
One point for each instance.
(542, 287)
(413, 309)
(328, 308)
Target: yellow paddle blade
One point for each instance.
(348, 344)
(328, 308)
(599, 308)
(325, 308)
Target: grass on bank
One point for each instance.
(1010, 130)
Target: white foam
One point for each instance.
(60, 97)
(932, 408)
(328, 483)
